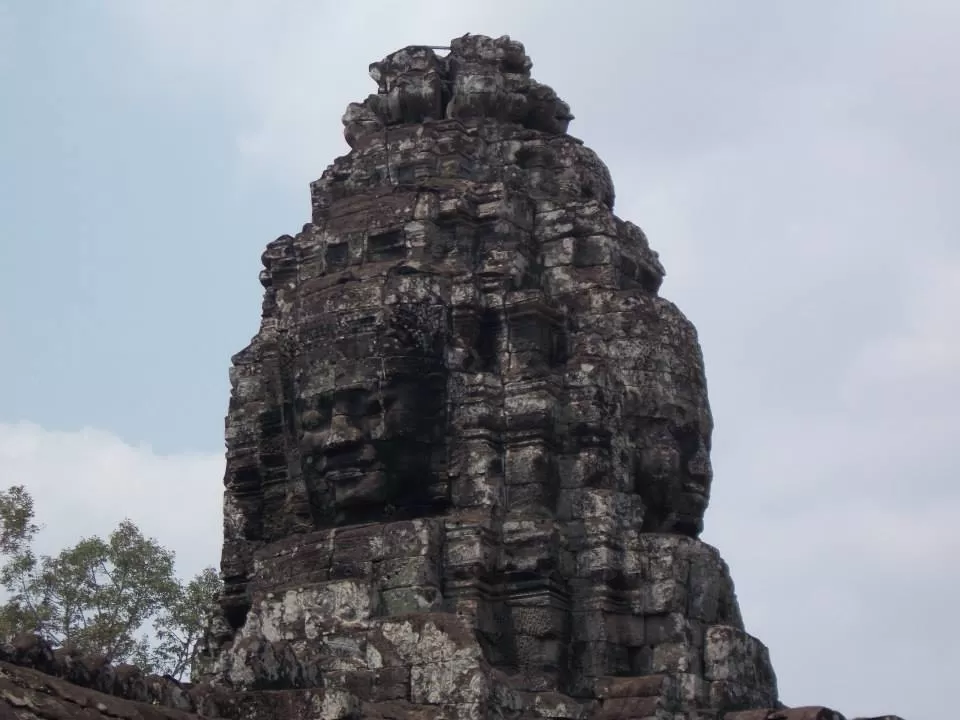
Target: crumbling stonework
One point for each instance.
(468, 452)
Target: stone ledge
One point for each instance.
(801, 713)
(30, 694)
(30, 652)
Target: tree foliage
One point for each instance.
(16, 520)
(101, 595)
(180, 624)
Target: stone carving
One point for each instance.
(468, 451)
(371, 410)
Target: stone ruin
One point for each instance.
(468, 452)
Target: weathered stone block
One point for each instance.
(405, 572)
(554, 705)
(637, 686)
(732, 655)
(424, 639)
(673, 627)
(676, 657)
(455, 681)
(540, 621)
(630, 707)
(800, 713)
(659, 597)
(727, 694)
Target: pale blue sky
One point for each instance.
(795, 164)
(131, 235)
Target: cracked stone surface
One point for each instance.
(468, 451)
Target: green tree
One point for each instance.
(97, 594)
(100, 594)
(181, 623)
(16, 534)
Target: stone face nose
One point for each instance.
(343, 432)
(699, 465)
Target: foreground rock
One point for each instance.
(468, 452)
(31, 695)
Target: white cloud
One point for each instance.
(85, 482)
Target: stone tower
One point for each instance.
(468, 450)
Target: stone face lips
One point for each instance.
(468, 450)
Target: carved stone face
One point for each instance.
(673, 476)
(372, 445)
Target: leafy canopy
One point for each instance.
(99, 595)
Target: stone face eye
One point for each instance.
(688, 441)
(311, 420)
(659, 463)
(354, 402)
